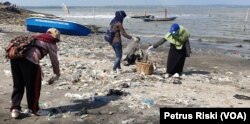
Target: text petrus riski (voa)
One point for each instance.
(197, 115)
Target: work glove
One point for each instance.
(53, 79)
(135, 38)
(151, 48)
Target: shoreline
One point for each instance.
(198, 46)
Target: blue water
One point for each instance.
(220, 27)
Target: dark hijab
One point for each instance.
(119, 16)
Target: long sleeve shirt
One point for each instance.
(119, 30)
(35, 56)
(178, 41)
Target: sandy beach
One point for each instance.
(87, 93)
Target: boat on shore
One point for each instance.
(159, 19)
(35, 24)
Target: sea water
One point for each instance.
(214, 27)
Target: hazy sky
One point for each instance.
(124, 2)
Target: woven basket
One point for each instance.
(144, 68)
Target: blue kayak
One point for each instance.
(41, 25)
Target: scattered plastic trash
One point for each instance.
(54, 113)
(7, 73)
(229, 73)
(75, 96)
(128, 121)
(84, 116)
(243, 97)
(43, 105)
(116, 92)
(125, 85)
(148, 102)
(66, 115)
(177, 81)
(51, 117)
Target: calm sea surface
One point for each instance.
(220, 27)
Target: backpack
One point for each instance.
(109, 35)
(18, 47)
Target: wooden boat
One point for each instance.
(140, 16)
(41, 25)
(152, 18)
(159, 19)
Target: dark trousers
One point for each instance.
(26, 75)
(176, 60)
(118, 53)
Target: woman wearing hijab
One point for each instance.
(26, 72)
(178, 36)
(117, 27)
